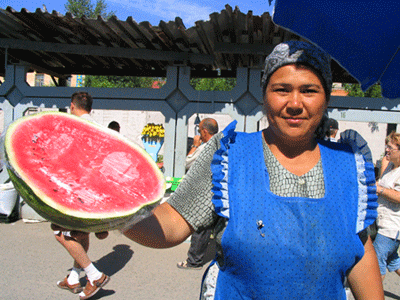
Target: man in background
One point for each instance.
(333, 128)
(199, 240)
(77, 242)
(207, 128)
(114, 125)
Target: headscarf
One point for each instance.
(297, 52)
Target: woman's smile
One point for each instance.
(294, 121)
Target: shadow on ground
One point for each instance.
(111, 264)
(391, 295)
(115, 260)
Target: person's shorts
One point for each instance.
(74, 233)
(386, 251)
(60, 230)
(65, 232)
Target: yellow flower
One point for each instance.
(153, 130)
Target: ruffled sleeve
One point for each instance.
(219, 169)
(367, 198)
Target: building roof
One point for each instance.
(62, 45)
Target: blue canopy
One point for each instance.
(363, 36)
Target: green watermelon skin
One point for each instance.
(69, 222)
(89, 222)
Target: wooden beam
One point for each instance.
(113, 71)
(91, 50)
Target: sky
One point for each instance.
(153, 11)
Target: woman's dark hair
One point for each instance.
(114, 125)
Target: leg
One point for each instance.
(198, 246)
(386, 252)
(77, 246)
(394, 259)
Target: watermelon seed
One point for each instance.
(55, 190)
(80, 200)
(35, 138)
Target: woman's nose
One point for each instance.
(295, 103)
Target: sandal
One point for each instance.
(73, 288)
(184, 265)
(92, 288)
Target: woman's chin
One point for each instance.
(298, 136)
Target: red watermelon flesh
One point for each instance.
(81, 170)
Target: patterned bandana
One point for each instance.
(292, 52)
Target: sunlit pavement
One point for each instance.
(32, 261)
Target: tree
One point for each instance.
(118, 81)
(354, 90)
(80, 8)
(213, 84)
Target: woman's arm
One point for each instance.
(389, 194)
(164, 228)
(365, 279)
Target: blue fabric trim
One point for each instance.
(219, 169)
(367, 198)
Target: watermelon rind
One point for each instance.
(60, 215)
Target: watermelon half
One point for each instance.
(78, 174)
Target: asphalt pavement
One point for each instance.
(32, 261)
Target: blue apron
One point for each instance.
(288, 248)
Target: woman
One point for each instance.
(386, 165)
(285, 207)
(388, 222)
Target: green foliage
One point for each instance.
(374, 91)
(80, 8)
(118, 81)
(354, 90)
(101, 8)
(213, 84)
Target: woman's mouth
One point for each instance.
(293, 121)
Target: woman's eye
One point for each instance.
(309, 91)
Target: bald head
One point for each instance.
(207, 127)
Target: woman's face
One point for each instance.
(393, 153)
(295, 102)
